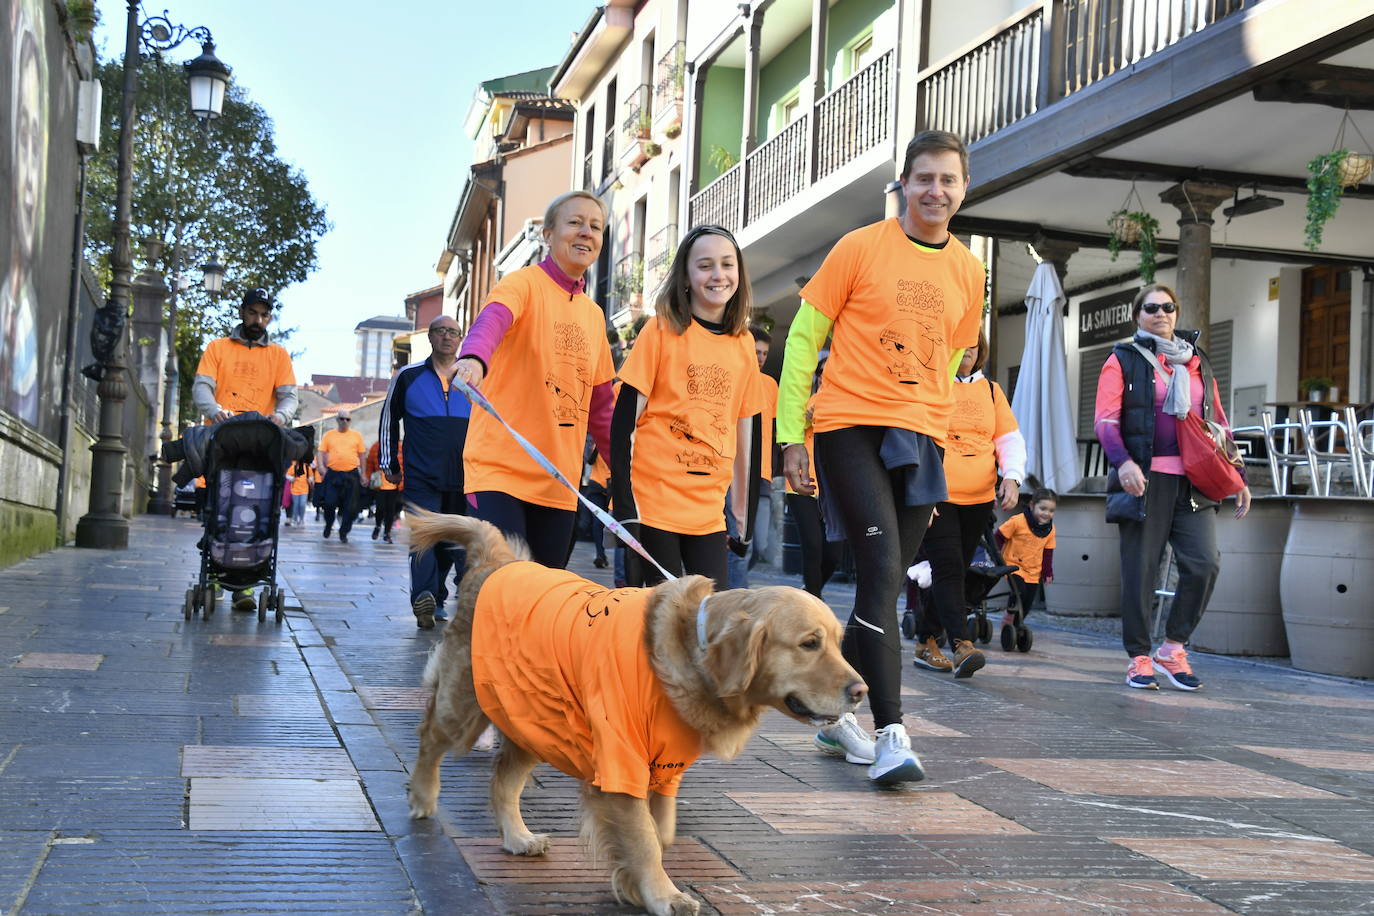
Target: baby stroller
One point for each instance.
(981, 579)
(245, 469)
(184, 499)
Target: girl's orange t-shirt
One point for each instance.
(981, 415)
(300, 485)
(541, 380)
(900, 312)
(1023, 548)
(697, 386)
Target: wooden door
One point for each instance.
(1325, 334)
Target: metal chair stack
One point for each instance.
(1361, 439)
(1329, 447)
(1283, 442)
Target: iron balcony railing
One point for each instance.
(627, 281)
(855, 117)
(1050, 50)
(638, 121)
(663, 244)
(777, 170)
(587, 171)
(668, 76)
(607, 154)
(717, 204)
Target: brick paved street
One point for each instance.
(149, 765)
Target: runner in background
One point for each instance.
(685, 418)
(538, 352)
(902, 298)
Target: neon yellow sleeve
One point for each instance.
(955, 359)
(804, 341)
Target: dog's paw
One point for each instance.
(682, 905)
(421, 811)
(532, 844)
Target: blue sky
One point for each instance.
(368, 101)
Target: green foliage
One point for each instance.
(652, 149)
(1323, 193)
(1315, 383)
(721, 159)
(82, 17)
(225, 186)
(1148, 241)
(628, 282)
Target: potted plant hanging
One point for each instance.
(83, 17)
(1135, 227)
(1328, 176)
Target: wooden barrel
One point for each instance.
(1245, 616)
(1326, 585)
(1087, 559)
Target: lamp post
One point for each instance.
(104, 525)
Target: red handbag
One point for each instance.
(1211, 460)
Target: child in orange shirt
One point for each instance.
(1027, 540)
(682, 431)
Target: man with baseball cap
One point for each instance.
(246, 372)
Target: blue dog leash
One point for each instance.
(602, 515)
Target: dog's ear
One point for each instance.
(733, 655)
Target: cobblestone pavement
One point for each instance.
(152, 765)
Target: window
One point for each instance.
(859, 53)
(785, 111)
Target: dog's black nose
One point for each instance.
(856, 692)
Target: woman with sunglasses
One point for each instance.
(683, 432)
(538, 351)
(1139, 403)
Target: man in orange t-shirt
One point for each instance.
(340, 452)
(245, 371)
(901, 299)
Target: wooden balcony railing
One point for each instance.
(776, 170)
(849, 121)
(1050, 50)
(717, 204)
(855, 117)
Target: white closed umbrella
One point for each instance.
(1042, 399)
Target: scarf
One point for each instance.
(1178, 398)
(1037, 529)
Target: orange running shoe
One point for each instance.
(1141, 674)
(1176, 668)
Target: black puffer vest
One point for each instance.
(1138, 403)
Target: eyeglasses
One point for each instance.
(344, 419)
(1150, 308)
(450, 333)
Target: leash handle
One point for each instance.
(602, 515)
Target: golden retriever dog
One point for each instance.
(700, 668)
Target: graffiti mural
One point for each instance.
(37, 183)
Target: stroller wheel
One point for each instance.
(278, 605)
(984, 629)
(909, 623)
(1008, 637)
(188, 609)
(262, 604)
(1024, 638)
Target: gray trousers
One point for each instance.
(1170, 517)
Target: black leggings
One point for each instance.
(1026, 593)
(819, 557)
(548, 531)
(884, 535)
(680, 554)
(949, 546)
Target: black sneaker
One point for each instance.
(343, 538)
(327, 530)
(423, 608)
(375, 533)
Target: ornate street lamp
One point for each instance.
(212, 275)
(104, 525)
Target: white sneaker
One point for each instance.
(896, 761)
(845, 739)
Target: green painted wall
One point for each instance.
(722, 117)
(847, 19)
(787, 70)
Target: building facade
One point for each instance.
(374, 344)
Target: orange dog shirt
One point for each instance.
(561, 668)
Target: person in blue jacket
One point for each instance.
(435, 417)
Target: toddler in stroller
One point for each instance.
(244, 460)
(984, 575)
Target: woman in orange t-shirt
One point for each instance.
(983, 439)
(538, 351)
(683, 429)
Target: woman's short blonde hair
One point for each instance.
(555, 205)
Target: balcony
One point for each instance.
(607, 154)
(1049, 51)
(627, 286)
(663, 244)
(587, 171)
(637, 127)
(668, 80)
(851, 120)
